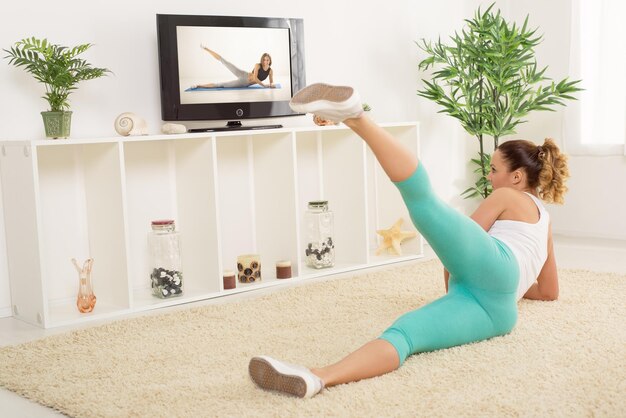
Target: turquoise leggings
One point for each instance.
(481, 301)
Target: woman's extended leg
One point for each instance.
(454, 319)
(242, 76)
(213, 53)
(397, 161)
(375, 358)
(237, 72)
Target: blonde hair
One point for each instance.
(545, 166)
(554, 172)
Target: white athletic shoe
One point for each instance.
(275, 375)
(334, 103)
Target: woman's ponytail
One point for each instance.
(553, 173)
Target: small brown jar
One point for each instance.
(283, 269)
(229, 279)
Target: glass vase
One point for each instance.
(86, 299)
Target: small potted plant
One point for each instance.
(59, 69)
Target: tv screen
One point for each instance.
(228, 67)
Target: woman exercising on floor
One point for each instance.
(502, 253)
(260, 72)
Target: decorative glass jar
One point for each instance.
(166, 273)
(320, 247)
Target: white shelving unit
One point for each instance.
(230, 193)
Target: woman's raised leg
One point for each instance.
(213, 53)
(397, 161)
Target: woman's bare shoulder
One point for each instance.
(505, 195)
(516, 205)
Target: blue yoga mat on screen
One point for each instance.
(254, 86)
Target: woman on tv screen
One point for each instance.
(261, 71)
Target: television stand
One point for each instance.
(197, 176)
(234, 125)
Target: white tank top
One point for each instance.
(528, 242)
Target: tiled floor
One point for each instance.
(592, 254)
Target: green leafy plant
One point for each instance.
(488, 79)
(58, 67)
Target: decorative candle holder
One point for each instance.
(229, 279)
(86, 299)
(283, 269)
(249, 268)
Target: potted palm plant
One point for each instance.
(488, 79)
(60, 69)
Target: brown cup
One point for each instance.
(229, 279)
(283, 269)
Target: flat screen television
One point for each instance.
(207, 67)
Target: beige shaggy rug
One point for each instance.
(564, 358)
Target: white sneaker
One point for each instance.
(334, 103)
(272, 374)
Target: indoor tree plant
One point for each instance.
(60, 69)
(488, 79)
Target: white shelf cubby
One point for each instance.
(230, 193)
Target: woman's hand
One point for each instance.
(320, 121)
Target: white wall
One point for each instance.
(596, 202)
(368, 47)
(371, 48)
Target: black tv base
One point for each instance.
(234, 126)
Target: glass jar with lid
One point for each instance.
(320, 247)
(166, 274)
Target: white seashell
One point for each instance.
(129, 123)
(173, 128)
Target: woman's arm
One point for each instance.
(272, 78)
(547, 285)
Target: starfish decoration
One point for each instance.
(393, 237)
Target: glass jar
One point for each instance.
(166, 274)
(320, 247)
